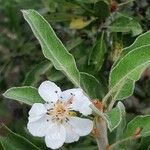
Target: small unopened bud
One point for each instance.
(113, 6)
(137, 133)
(98, 104)
(95, 132)
(108, 147)
(116, 51)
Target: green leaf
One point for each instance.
(147, 14)
(128, 69)
(120, 130)
(126, 24)
(91, 86)
(114, 117)
(13, 141)
(145, 143)
(25, 94)
(101, 10)
(1, 146)
(141, 40)
(54, 75)
(96, 58)
(52, 47)
(34, 75)
(71, 44)
(136, 128)
(59, 17)
(142, 122)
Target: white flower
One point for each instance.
(56, 120)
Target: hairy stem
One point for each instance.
(102, 140)
(98, 112)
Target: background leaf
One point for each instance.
(141, 40)
(33, 76)
(72, 43)
(101, 9)
(14, 141)
(25, 94)
(1, 146)
(54, 75)
(97, 55)
(145, 143)
(136, 128)
(142, 122)
(91, 86)
(126, 24)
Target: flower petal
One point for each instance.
(35, 118)
(55, 136)
(49, 91)
(39, 127)
(49, 105)
(80, 103)
(71, 135)
(81, 126)
(85, 110)
(66, 95)
(37, 109)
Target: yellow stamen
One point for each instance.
(72, 113)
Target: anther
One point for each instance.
(67, 119)
(49, 109)
(56, 91)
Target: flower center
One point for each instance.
(60, 112)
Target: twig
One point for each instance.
(101, 126)
(102, 140)
(98, 112)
